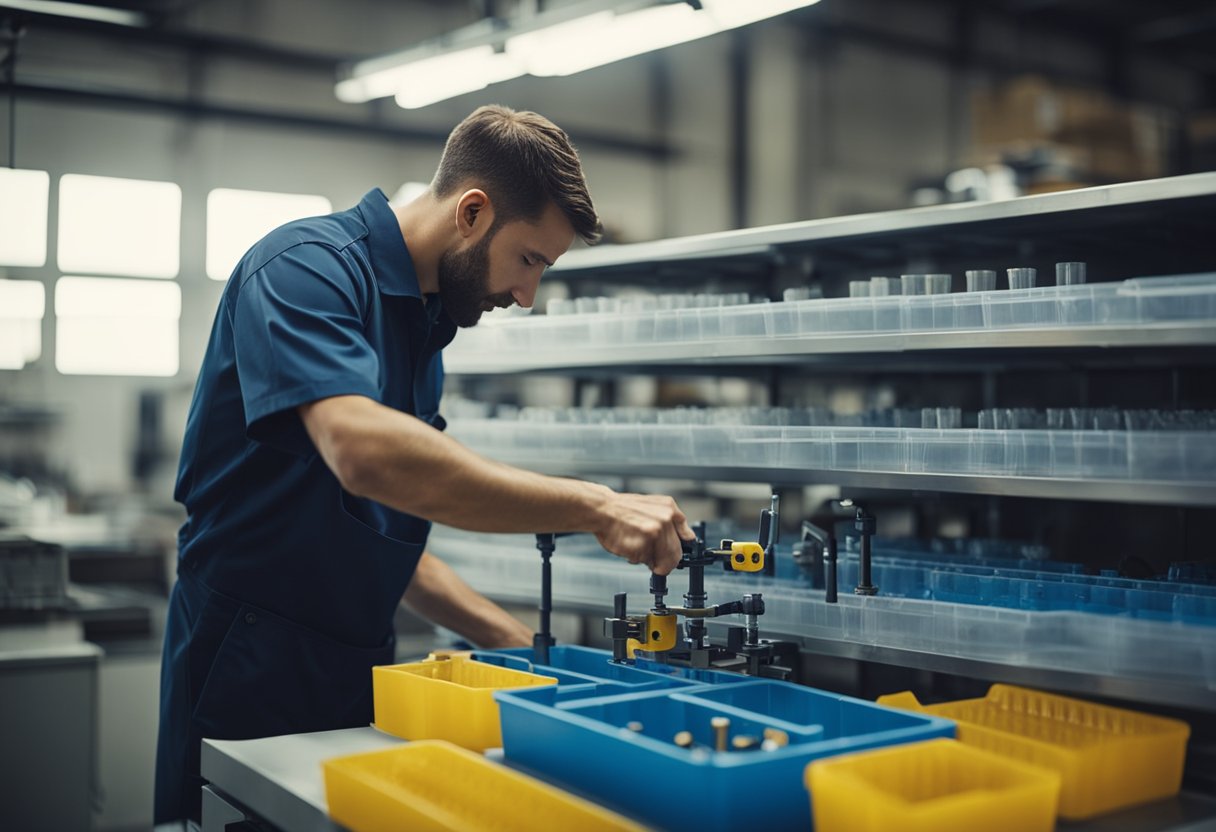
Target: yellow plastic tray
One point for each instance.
(1108, 758)
(449, 699)
(433, 785)
(933, 786)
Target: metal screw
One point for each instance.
(684, 739)
(779, 738)
(721, 726)
(634, 726)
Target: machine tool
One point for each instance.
(816, 552)
(662, 638)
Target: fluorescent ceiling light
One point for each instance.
(550, 44)
(23, 203)
(604, 38)
(454, 73)
(103, 14)
(126, 227)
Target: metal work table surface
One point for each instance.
(278, 779)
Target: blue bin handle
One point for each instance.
(506, 658)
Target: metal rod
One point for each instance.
(829, 584)
(865, 561)
(544, 638)
(618, 612)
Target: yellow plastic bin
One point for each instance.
(447, 699)
(933, 786)
(433, 785)
(1108, 758)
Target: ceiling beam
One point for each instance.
(377, 130)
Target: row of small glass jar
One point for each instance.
(978, 280)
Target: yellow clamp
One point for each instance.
(660, 634)
(746, 557)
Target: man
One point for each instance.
(313, 460)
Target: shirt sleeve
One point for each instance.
(298, 337)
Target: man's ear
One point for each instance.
(474, 214)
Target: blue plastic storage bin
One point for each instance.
(572, 664)
(588, 745)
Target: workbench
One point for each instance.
(277, 783)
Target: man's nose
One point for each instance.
(524, 295)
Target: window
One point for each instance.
(22, 304)
(23, 201)
(126, 227)
(238, 219)
(108, 326)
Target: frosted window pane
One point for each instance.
(22, 305)
(119, 226)
(23, 203)
(22, 299)
(238, 219)
(20, 343)
(116, 327)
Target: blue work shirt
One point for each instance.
(287, 584)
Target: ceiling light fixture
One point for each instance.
(563, 42)
(80, 11)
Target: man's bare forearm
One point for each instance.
(400, 461)
(439, 595)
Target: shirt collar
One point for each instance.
(391, 259)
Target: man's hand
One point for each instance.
(644, 528)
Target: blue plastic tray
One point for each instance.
(572, 664)
(1019, 588)
(586, 744)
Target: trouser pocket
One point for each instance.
(272, 676)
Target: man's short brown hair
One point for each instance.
(522, 161)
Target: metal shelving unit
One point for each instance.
(1063, 488)
(1121, 219)
(584, 584)
(828, 348)
(1144, 228)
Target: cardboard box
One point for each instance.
(1083, 130)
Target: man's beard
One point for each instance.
(463, 283)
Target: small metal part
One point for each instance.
(634, 726)
(829, 587)
(745, 743)
(721, 726)
(867, 525)
(684, 739)
(658, 588)
(777, 737)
